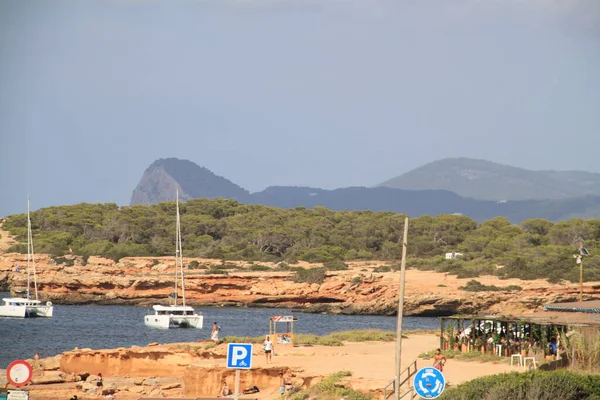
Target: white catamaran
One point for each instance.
(27, 307)
(174, 315)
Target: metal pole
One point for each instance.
(581, 279)
(236, 394)
(400, 313)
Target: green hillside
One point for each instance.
(226, 229)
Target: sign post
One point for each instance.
(400, 312)
(18, 373)
(239, 356)
(429, 383)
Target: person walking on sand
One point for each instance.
(439, 360)
(268, 348)
(214, 335)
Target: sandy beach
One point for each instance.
(371, 364)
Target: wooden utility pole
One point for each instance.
(400, 313)
(581, 278)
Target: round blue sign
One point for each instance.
(429, 383)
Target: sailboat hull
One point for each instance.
(40, 311)
(174, 321)
(25, 308)
(13, 311)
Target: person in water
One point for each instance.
(439, 360)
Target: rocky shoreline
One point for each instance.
(144, 281)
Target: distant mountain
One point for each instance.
(485, 180)
(163, 177)
(427, 202)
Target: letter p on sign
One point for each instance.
(239, 355)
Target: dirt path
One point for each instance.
(6, 241)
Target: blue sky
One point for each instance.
(325, 93)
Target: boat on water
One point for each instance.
(175, 315)
(28, 306)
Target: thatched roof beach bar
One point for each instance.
(537, 333)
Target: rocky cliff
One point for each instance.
(164, 176)
(359, 290)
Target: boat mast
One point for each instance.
(28, 249)
(176, 243)
(30, 255)
(180, 251)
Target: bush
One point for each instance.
(329, 389)
(259, 267)
(225, 266)
(216, 271)
(336, 265)
(154, 262)
(537, 385)
(476, 286)
(68, 262)
(312, 275)
(382, 268)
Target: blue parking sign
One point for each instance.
(239, 355)
(429, 383)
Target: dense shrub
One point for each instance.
(228, 230)
(336, 265)
(67, 262)
(476, 286)
(382, 268)
(329, 389)
(537, 385)
(259, 267)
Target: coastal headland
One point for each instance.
(358, 290)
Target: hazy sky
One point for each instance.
(324, 93)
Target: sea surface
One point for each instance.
(105, 327)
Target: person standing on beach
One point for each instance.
(281, 384)
(214, 335)
(439, 360)
(36, 361)
(99, 384)
(268, 348)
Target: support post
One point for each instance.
(236, 394)
(581, 279)
(400, 313)
(442, 326)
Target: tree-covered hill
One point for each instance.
(226, 229)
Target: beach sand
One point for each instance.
(371, 364)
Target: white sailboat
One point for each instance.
(27, 307)
(174, 315)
